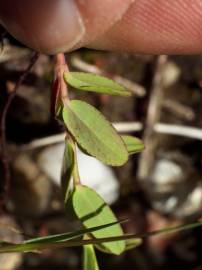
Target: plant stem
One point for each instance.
(60, 68)
(4, 155)
(62, 94)
(76, 176)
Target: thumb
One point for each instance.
(51, 26)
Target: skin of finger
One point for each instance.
(41, 25)
(99, 16)
(157, 27)
(47, 26)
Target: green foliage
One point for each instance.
(133, 243)
(133, 144)
(95, 83)
(94, 133)
(89, 258)
(67, 170)
(88, 128)
(91, 210)
(28, 246)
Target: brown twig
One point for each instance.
(153, 116)
(128, 127)
(2, 41)
(180, 110)
(4, 156)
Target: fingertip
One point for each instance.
(48, 26)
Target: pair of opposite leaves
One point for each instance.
(90, 128)
(96, 136)
(90, 208)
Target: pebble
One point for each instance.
(93, 173)
(31, 188)
(176, 188)
(9, 232)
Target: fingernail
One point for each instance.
(74, 28)
(48, 26)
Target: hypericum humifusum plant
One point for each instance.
(87, 129)
(33, 23)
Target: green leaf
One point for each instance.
(94, 133)
(129, 244)
(89, 258)
(94, 83)
(67, 170)
(133, 243)
(133, 144)
(90, 208)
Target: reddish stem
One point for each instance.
(4, 154)
(59, 88)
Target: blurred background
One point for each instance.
(161, 187)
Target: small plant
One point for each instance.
(87, 129)
(42, 25)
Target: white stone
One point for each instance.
(166, 174)
(93, 173)
(171, 74)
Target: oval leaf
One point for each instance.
(133, 243)
(67, 170)
(133, 144)
(89, 258)
(90, 208)
(94, 133)
(94, 83)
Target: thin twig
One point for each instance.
(181, 110)
(184, 131)
(2, 41)
(12, 95)
(8, 52)
(128, 127)
(153, 116)
(78, 63)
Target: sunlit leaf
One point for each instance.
(133, 144)
(133, 243)
(94, 83)
(89, 258)
(94, 133)
(129, 244)
(67, 170)
(90, 208)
